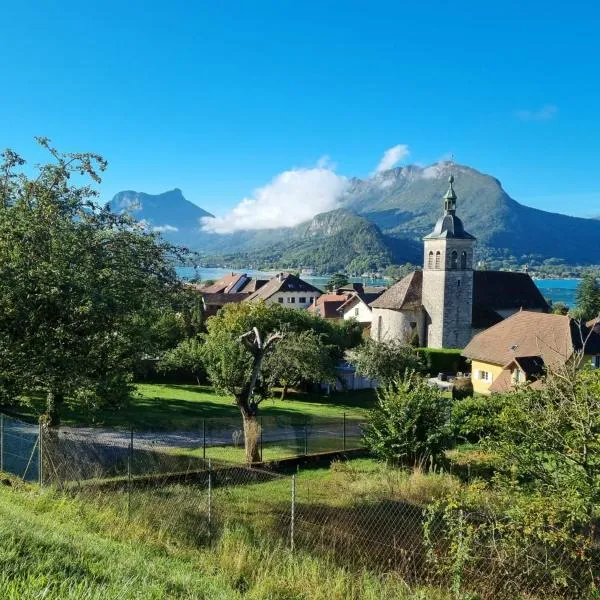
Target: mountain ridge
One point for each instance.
(388, 213)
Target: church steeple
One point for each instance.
(449, 225)
(450, 198)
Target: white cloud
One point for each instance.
(545, 113)
(164, 228)
(292, 197)
(391, 157)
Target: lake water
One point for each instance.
(557, 290)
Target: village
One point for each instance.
(498, 319)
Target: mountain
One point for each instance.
(381, 221)
(170, 213)
(339, 240)
(405, 203)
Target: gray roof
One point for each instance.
(449, 226)
(283, 282)
(492, 291)
(403, 295)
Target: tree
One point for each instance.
(588, 297)
(186, 358)
(79, 285)
(410, 423)
(300, 357)
(551, 436)
(337, 281)
(384, 361)
(238, 353)
(559, 308)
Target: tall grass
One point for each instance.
(57, 547)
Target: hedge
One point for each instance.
(443, 360)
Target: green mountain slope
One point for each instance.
(405, 203)
(332, 241)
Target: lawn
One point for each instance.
(171, 406)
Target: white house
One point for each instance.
(357, 306)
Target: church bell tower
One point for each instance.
(448, 279)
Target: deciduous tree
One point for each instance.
(78, 284)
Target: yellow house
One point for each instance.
(518, 350)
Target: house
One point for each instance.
(328, 305)
(357, 306)
(287, 289)
(234, 283)
(519, 349)
(234, 287)
(447, 302)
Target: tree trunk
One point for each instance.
(251, 438)
(54, 402)
(284, 390)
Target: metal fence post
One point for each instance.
(40, 455)
(129, 467)
(305, 437)
(261, 439)
(344, 435)
(293, 514)
(209, 515)
(1, 442)
(203, 439)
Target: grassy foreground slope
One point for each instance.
(58, 548)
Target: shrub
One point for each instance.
(384, 361)
(443, 360)
(462, 388)
(410, 423)
(475, 418)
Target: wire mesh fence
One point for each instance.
(191, 499)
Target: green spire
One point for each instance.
(450, 198)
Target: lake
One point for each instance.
(557, 290)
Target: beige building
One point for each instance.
(357, 306)
(518, 350)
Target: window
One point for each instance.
(430, 260)
(310, 300)
(291, 300)
(484, 376)
(379, 328)
(356, 311)
(280, 300)
(463, 260)
(302, 300)
(438, 259)
(596, 362)
(518, 376)
(454, 260)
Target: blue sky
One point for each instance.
(218, 98)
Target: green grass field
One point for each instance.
(171, 406)
(64, 548)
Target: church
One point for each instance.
(448, 302)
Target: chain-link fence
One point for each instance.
(378, 521)
(19, 448)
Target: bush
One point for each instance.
(462, 388)
(443, 360)
(411, 422)
(475, 418)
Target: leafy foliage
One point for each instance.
(551, 436)
(336, 281)
(79, 286)
(588, 297)
(443, 360)
(476, 418)
(384, 361)
(411, 422)
(186, 358)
